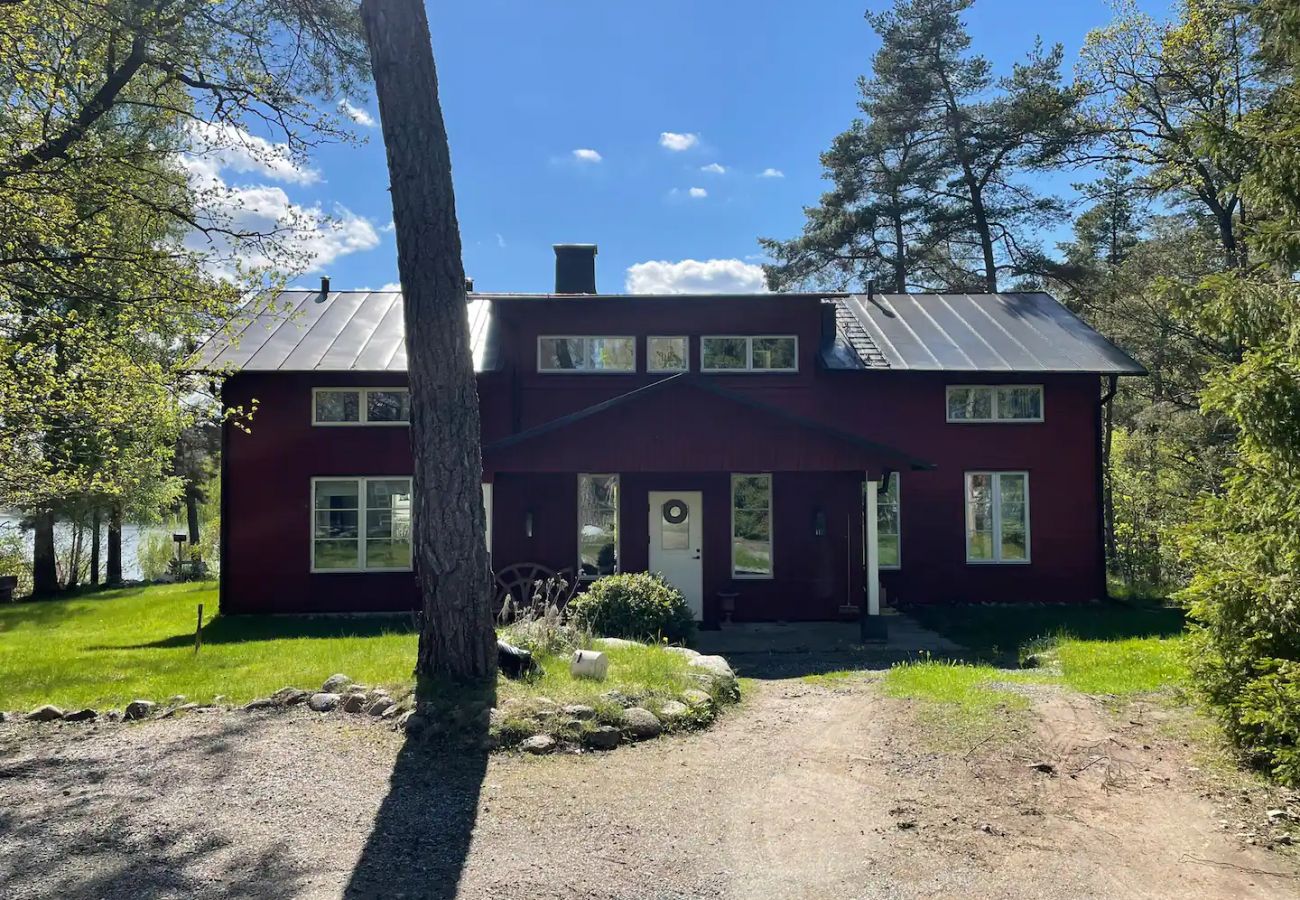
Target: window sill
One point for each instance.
(407, 570)
(998, 562)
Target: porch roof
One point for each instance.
(656, 428)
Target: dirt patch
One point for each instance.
(804, 791)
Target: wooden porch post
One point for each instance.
(873, 551)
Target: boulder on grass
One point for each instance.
(697, 697)
(354, 702)
(603, 738)
(81, 715)
(579, 711)
(380, 705)
(715, 672)
(290, 696)
(46, 713)
(260, 703)
(672, 711)
(683, 651)
(640, 724)
(140, 709)
(538, 744)
(616, 643)
(335, 684)
(323, 701)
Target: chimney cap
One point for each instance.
(591, 247)
(575, 268)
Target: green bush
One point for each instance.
(638, 606)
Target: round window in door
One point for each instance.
(675, 530)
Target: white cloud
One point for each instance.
(771, 173)
(391, 287)
(224, 147)
(698, 193)
(693, 276)
(671, 140)
(356, 113)
(389, 228)
(714, 169)
(586, 154)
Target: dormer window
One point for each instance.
(666, 354)
(565, 353)
(749, 353)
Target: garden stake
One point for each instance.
(198, 631)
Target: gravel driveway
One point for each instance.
(804, 791)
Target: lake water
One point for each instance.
(131, 535)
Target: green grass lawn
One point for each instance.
(108, 648)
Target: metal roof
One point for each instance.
(1013, 332)
(343, 331)
(363, 331)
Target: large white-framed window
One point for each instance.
(888, 526)
(361, 406)
(667, 353)
(995, 402)
(586, 353)
(997, 517)
(751, 526)
(361, 524)
(597, 525)
(749, 353)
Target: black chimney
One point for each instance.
(324, 286)
(575, 268)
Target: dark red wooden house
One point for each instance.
(800, 452)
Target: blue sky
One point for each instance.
(753, 87)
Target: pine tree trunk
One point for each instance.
(45, 571)
(94, 548)
(114, 574)
(451, 561)
(192, 514)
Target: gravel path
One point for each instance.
(804, 791)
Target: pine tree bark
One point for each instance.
(192, 514)
(45, 571)
(457, 638)
(113, 573)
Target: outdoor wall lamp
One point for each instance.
(819, 522)
(528, 523)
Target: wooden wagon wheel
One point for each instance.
(518, 583)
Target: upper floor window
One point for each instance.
(666, 354)
(995, 403)
(759, 353)
(586, 354)
(361, 406)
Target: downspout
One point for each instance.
(223, 530)
(1103, 591)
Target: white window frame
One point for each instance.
(363, 407)
(618, 522)
(996, 511)
(749, 353)
(361, 524)
(686, 362)
(897, 480)
(993, 404)
(771, 529)
(584, 338)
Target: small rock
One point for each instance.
(356, 689)
(140, 709)
(672, 710)
(380, 705)
(81, 715)
(335, 684)
(374, 694)
(618, 697)
(1278, 815)
(640, 724)
(46, 713)
(603, 738)
(539, 744)
(173, 710)
(1045, 767)
(290, 696)
(260, 703)
(616, 643)
(697, 697)
(394, 711)
(683, 651)
(113, 715)
(6, 716)
(323, 701)
(579, 711)
(176, 700)
(354, 703)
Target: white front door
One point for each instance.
(676, 541)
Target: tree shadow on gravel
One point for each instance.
(421, 836)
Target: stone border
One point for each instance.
(552, 727)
